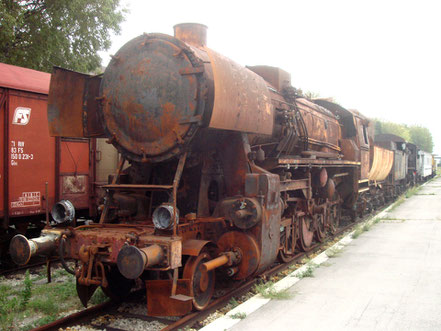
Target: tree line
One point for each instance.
(416, 134)
(40, 34)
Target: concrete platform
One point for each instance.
(389, 278)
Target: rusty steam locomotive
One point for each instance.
(228, 170)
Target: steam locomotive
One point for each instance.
(228, 170)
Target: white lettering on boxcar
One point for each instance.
(27, 199)
(17, 152)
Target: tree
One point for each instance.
(39, 34)
(396, 129)
(421, 137)
(415, 134)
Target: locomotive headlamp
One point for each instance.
(163, 217)
(63, 211)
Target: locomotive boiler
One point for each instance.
(223, 169)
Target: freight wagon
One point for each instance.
(424, 165)
(37, 170)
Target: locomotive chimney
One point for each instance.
(194, 34)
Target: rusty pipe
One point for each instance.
(132, 260)
(226, 258)
(22, 249)
(216, 263)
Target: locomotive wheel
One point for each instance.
(287, 251)
(320, 232)
(202, 283)
(334, 218)
(118, 286)
(306, 233)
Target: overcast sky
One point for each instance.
(379, 57)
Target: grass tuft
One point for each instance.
(26, 293)
(309, 272)
(98, 297)
(333, 251)
(41, 321)
(268, 291)
(357, 232)
(366, 227)
(238, 316)
(233, 302)
(410, 192)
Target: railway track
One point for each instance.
(36, 263)
(108, 311)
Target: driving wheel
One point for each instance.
(306, 233)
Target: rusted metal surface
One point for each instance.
(191, 33)
(249, 249)
(193, 247)
(22, 249)
(76, 317)
(241, 98)
(383, 160)
(308, 162)
(277, 77)
(322, 127)
(201, 280)
(152, 97)
(65, 103)
(159, 302)
(363, 143)
(72, 104)
(132, 261)
(216, 263)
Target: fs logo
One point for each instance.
(21, 116)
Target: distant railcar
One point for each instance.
(424, 165)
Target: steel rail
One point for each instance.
(198, 316)
(190, 319)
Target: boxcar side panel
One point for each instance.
(74, 171)
(3, 96)
(31, 154)
(400, 165)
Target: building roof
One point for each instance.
(24, 79)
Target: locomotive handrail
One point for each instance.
(137, 186)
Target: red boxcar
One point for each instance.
(30, 157)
